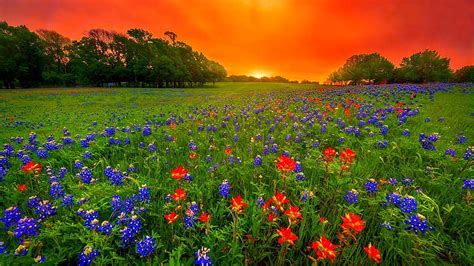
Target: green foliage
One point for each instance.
(426, 66)
(465, 74)
(101, 58)
(370, 68)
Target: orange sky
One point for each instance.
(298, 39)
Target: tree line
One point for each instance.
(422, 67)
(101, 58)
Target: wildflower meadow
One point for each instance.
(241, 174)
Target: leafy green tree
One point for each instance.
(465, 74)
(21, 56)
(426, 66)
(370, 68)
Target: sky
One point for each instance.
(297, 39)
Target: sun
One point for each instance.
(260, 74)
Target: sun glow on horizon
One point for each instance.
(260, 74)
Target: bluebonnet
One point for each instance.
(384, 130)
(300, 176)
(258, 161)
(260, 201)
(144, 194)
(224, 189)
(146, 131)
(408, 204)
(67, 201)
(191, 215)
(146, 246)
(26, 227)
(86, 175)
(45, 209)
(371, 186)
(3, 172)
(451, 152)
(202, 258)
(352, 196)
(469, 153)
(382, 144)
(407, 181)
(77, 164)
(11, 216)
(468, 184)
(56, 190)
(87, 155)
(62, 172)
(87, 255)
(393, 198)
(106, 227)
(406, 133)
(392, 181)
(34, 202)
(417, 223)
(116, 203)
(461, 140)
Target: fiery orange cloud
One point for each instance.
(298, 39)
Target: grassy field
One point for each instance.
(402, 180)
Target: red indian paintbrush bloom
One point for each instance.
(179, 173)
(204, 217)
(294, 214)
(329, 154)
(32, 167)
(324, 249)
(179, 194)
(237, 204)
(21, 187)
(192, 155)
(171, 217)
(352, 222)
(286, 236)
(228, 151)
(285, 164)
(373, 253)
(347, 156)
(279, 199)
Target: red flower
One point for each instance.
(294, 214)
(179, 173)
(324, 249)
(237, 204)
(192, 155)
(21, 187)
(228, 151)
(323, 220)
(286, 236)
(352, 222)
(285, 164)
(32, 167)
(204, 217)
(171, 217)
(279, 199)
(272, 217)
(179, 194)
(329, 154)
(373, 253)
(347, 156)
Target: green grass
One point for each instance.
(437, 178)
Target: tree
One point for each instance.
(370, 68)
(21, 56)
(426, 66)
(54, 48)
(465, 74)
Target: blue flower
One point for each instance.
(11, 216)
(86, 175)
(88, 254)
(352, 196)
(408, 205)
(146, 246)
(224, 189)
(371, 186)
(417, 223)
(257, 161)
(202, 258)
(26, 227)
(144, 194)
(468, 184)
(450, 152)
(106, 227)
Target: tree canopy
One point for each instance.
(101, 58)
(422, 67)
